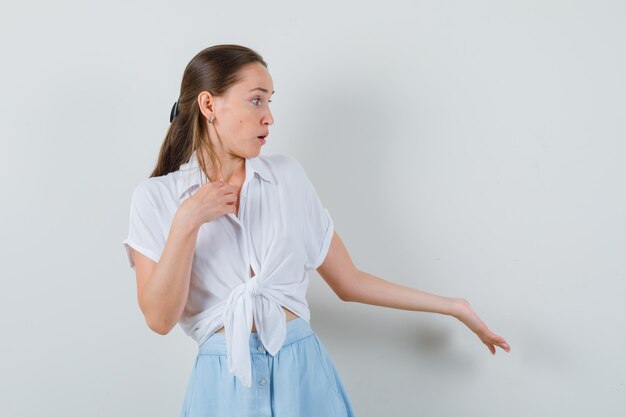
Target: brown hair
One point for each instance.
(214, 69)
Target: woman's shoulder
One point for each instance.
(156, 188)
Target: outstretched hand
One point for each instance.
(469, 317)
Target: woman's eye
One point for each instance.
(257, 98)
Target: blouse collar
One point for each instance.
(191, 175)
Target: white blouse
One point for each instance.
(282, 230)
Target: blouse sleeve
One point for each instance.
(145, 231)
(318, 226)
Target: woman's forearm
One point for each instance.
(369, 289)
(165, 295)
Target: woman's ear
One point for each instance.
(206, 104)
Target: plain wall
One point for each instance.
(469, 149)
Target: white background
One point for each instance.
(469, 149)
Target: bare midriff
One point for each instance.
(288, 313)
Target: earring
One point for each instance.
(210, 121)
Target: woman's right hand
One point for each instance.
(210, 201)
(468, 316)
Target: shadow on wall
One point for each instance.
(395, 335)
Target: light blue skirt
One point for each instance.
(300, 381)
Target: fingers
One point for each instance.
(226, 188)
(504, 345)
(500, 343)
(494, 339)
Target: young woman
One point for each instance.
(221, 240)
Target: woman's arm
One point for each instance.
(351, 284)
(163, 287)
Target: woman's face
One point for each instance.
(243, 114)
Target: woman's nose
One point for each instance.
(269, 119)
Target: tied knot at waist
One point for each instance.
(252, 286)
(252, 300)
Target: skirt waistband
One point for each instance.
(215, 344)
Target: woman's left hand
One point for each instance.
(467, 316)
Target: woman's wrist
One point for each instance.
(459, 307)
(185, 222)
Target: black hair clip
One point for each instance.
(174, 111)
